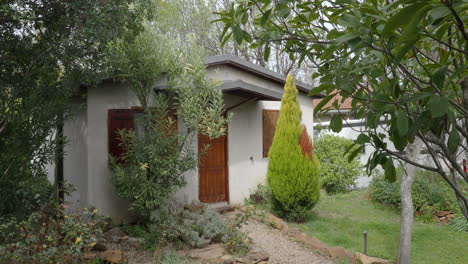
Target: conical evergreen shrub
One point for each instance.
(293, 170)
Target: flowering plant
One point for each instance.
(50, 236)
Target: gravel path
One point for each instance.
(280, 247)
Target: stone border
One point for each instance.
(335, 253)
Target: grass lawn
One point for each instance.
(339, 220)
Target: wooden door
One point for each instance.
(213, 170)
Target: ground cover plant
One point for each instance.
(430, 194)
(340, 219)
(293, 169)
(50, 236)
(337, 173)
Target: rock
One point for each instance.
(312, 242)
(369, 260)
(225, 209)
(246, 208)
(338, 253)
(89, 255)
(293, 232)
(112, 256)
(257, 255)
(99, 247)
(451, 216)
(442, 213)
(435, 219)
(113, 235)
(195, 207)
(213, 251)
(225, 257)
(228, 261)
(132, 243)
(276, 222)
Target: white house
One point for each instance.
(251, 94)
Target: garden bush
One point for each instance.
(25, 193)
(337, 174)
(260, 196)
(153, 164)
(430, 193)
(195, 224)
(49, 236)
(293, 170)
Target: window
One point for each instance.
(118, 119)
(270, 118)
(130, 119)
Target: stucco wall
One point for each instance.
(75, 162)
(100, 189)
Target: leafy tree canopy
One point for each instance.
(403, 63)
(48, 49)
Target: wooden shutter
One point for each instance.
(118, 119)
(270, 118)
(172, 113)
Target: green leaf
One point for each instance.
(347, 20)
(453, 140)
(390, 172)
(346, 37)
(336, 123)
(438, 106)
(322, 87)
(410, 35)
(438, 77)
(349, 148)
(323, 102)
(265, 17)
(437, 13)
(402, 122)
(266, 52)
(362, 138)
(353, 154)
(401, 18)
(238, 34)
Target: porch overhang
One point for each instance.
(250, 91)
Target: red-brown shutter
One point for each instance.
(118, 119)
(270, 118)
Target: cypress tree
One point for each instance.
(293, 170)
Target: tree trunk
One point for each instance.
(407, 214)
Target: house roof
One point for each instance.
(258, 70)
(342, 105)
(249, 90)
(245, 88)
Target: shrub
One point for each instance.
(153, 163)
(337, 175)
(49, 236)
(260, 196)
(238, 242)
(293, 170)
(170, 256)
(25, 193)
(196, 225)
(200, 229)
(429, 193)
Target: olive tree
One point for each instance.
(153, 164)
